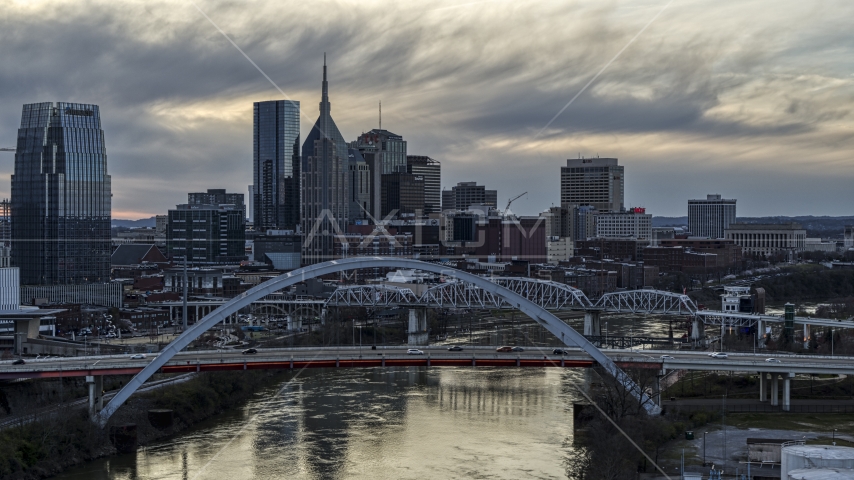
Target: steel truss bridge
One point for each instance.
(552, 296)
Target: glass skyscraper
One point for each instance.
(276, 165)
(61, 196)
(325, 185)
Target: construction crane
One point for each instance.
(517, 197)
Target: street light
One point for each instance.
(704, 448)
(834, 436)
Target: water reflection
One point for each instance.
(378, 424)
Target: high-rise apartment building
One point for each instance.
(325, 185)
(61, 196)
(431, 170)
(598, 182)
(709, 218)
(848, 236)
(208, 234)
(466, 194)
(276, 165)
(384, 152)
(216, 196)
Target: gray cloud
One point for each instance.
(729, 99)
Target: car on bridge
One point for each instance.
(19, 361)
(504, 349)
(718, 355)
(137, 356)
(667, 357)
(414, 351)
(455, 348)
(249, 351)
(772, 360)
(559, 351)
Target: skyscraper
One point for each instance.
(325, 186)
(598, 182)
(384, 152)
(276, 165)
(61, 196)
(709, 218)
(431, 170)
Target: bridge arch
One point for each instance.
(561, 330)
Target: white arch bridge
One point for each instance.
(561, 330)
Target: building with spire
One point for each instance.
(325, 185)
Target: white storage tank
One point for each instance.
(796, 462)
(822, 474)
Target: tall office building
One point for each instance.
(276, 165)
(466, 194)
(598, 182)
(61, 196)
(709, 218)
(325, 186)
(402, 195)
(431, 170)
(385, 153)
(360, 188)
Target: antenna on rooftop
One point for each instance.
(381, 114)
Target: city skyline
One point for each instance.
(699, 102)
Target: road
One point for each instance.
(434, 356)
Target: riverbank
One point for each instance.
(45, 447)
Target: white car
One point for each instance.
(414, 351)
(137, 356)
(667, 357)
(718, 355)
(772, 360)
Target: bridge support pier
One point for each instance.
(760, 333)
(592, 325)
(775, 400)
(96, 392)
(762, 386)
(418, 326)
(697, 329)
(294, 323)
(787, 391)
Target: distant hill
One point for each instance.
(669, 221)
(142, 222)
(816, 226)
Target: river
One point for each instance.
(395, 423)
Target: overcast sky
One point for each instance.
(749, 99)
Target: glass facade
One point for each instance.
(61, 196)
(276, 165)
(325, 185)
(384, 152)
